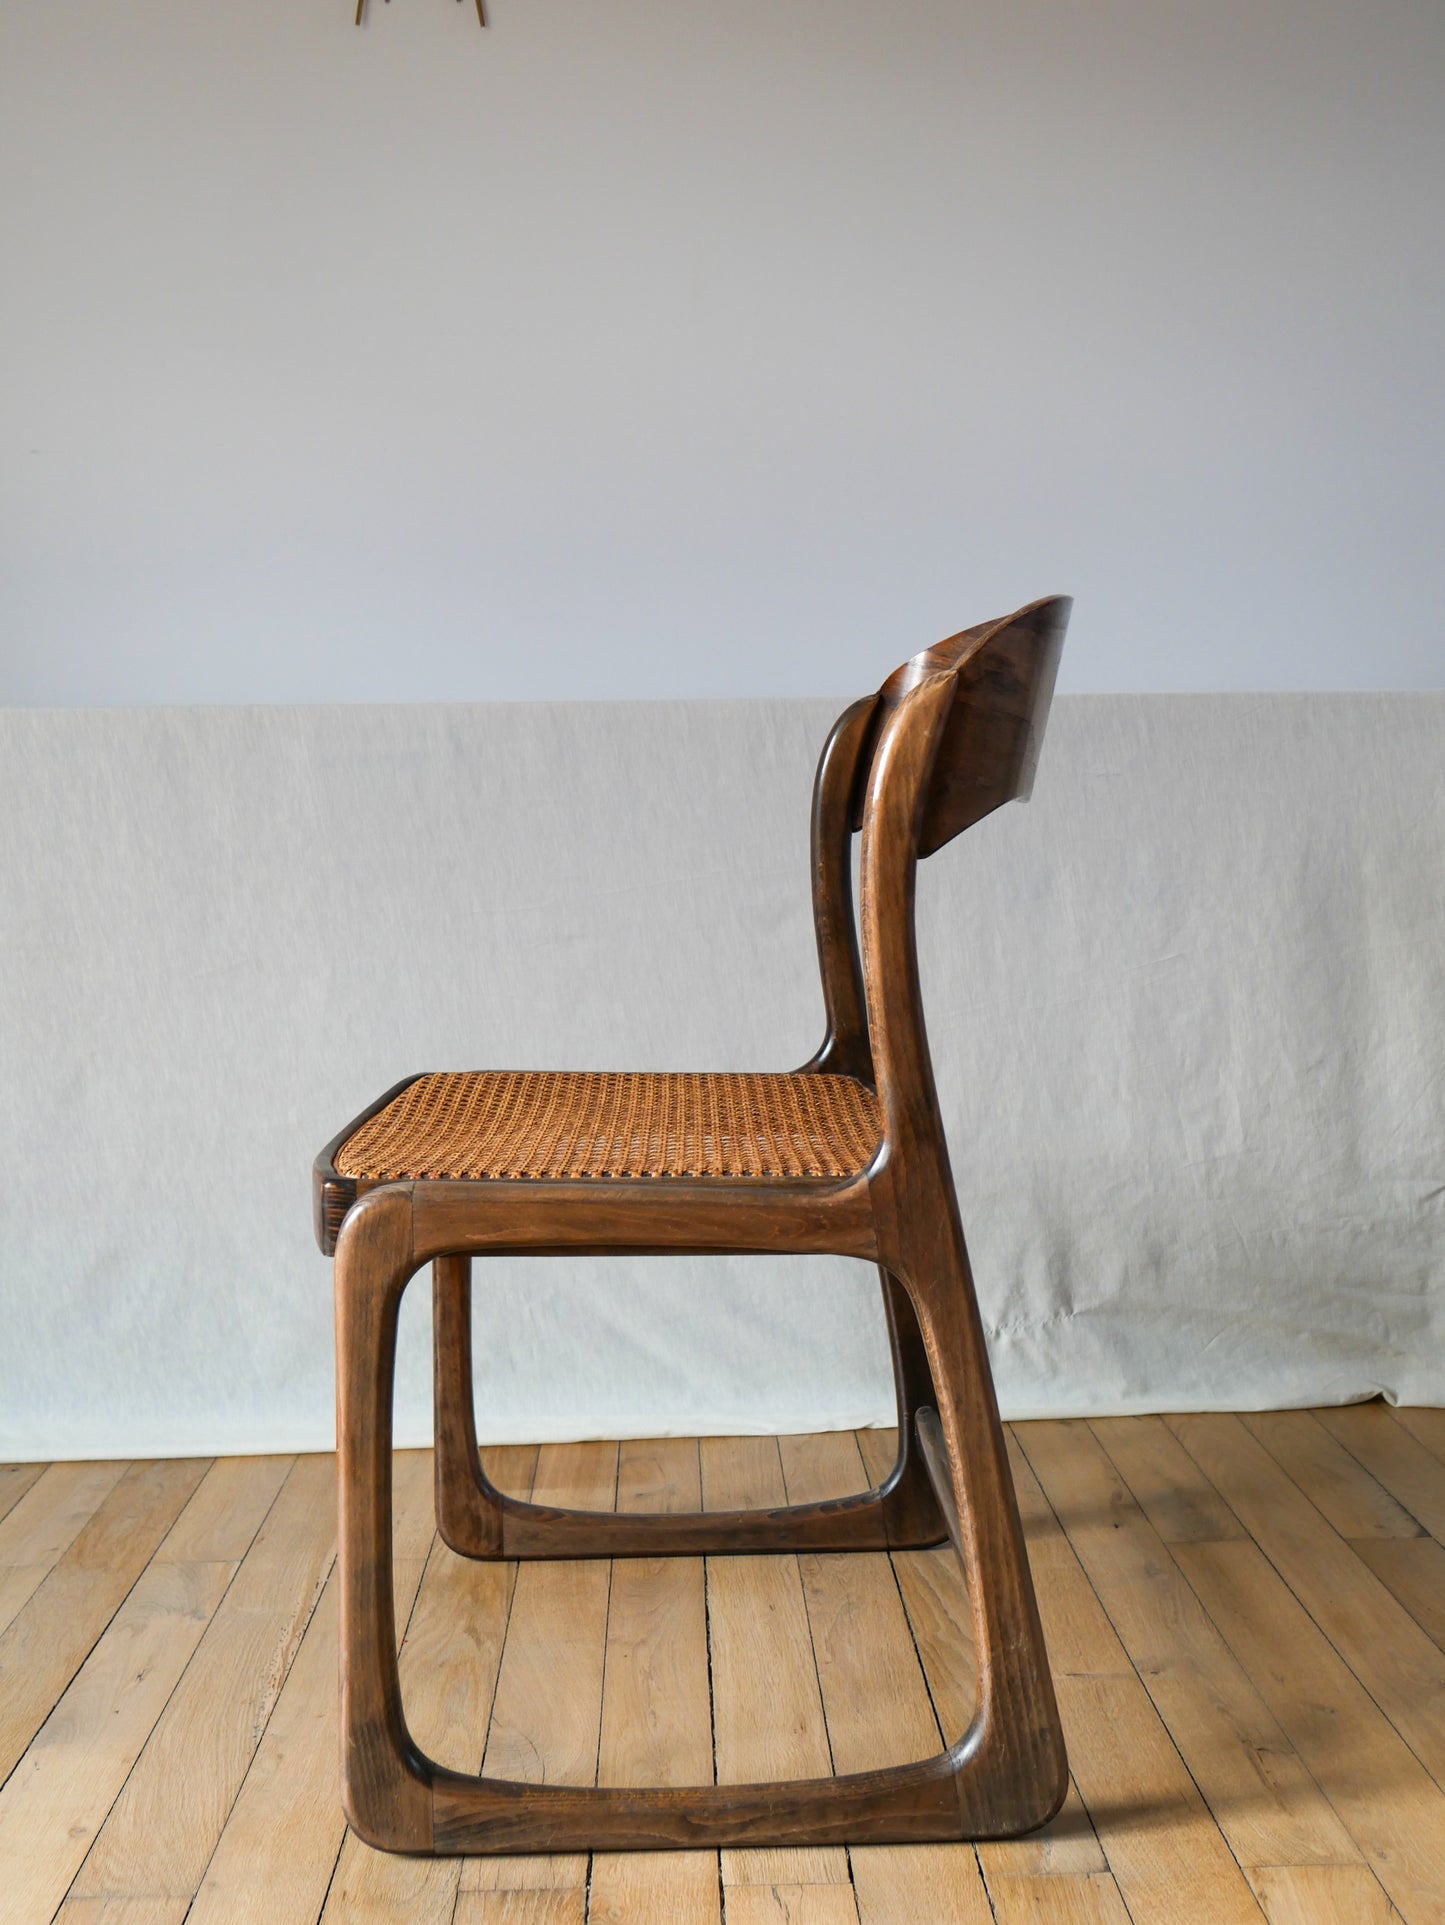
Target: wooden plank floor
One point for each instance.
(1246, 1618)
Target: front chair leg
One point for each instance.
(477, 1520)
(386, 1784)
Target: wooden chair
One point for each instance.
(845, 1155)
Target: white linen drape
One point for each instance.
(1186, 1012)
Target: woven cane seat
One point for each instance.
(554, 1124)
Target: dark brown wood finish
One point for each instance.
(951, 735)
(841, 768)
(478, 1520)
(934, 1451)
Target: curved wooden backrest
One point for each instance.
(1004, 672)
(983, 739)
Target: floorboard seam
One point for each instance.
(135, 1762)
(1163, 1723)
(1303, 1603)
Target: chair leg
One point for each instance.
(916, 1519)
(479, 1521)
(1010, 1767)
(470, 1508)
(1004, 1776)
(386, 1784)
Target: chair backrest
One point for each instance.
(950, 736)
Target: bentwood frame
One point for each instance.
(949, 737)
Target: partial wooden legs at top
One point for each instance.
(478, 1520)
(1005, 1775)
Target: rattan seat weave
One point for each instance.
(566, 1124)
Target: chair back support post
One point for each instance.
(956, 738)
(893, 1000)
(841, 767)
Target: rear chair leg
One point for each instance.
(469, 1505)
(914, 1518)
(1010, 1767)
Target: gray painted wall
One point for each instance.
(660, 347)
